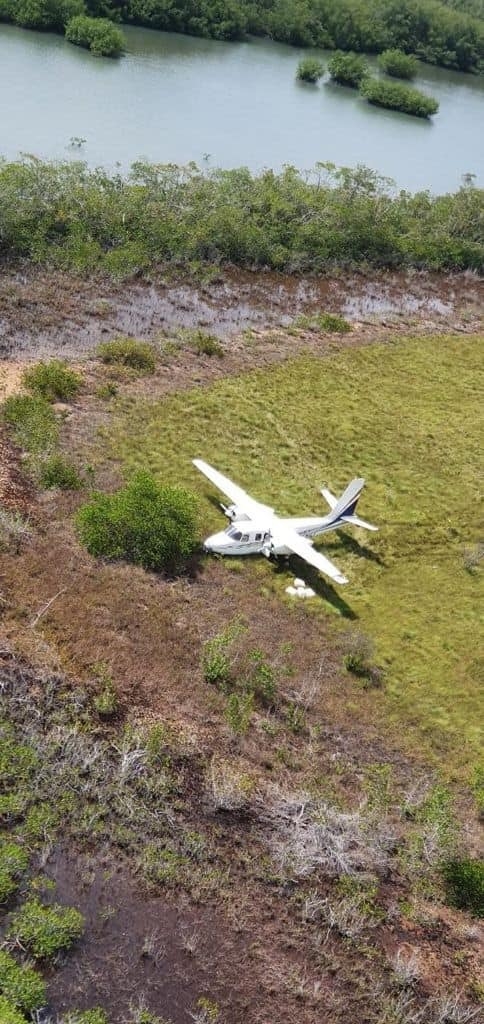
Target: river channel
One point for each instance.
(174, 98)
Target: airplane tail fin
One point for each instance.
(343, 509)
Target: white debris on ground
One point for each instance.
(299, 589)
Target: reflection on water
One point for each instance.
(175, 98)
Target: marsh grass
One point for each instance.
(406, 417)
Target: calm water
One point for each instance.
(175, 99)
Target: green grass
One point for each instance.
(406, 416)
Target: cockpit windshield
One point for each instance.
(233, 533)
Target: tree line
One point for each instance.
(449, 33)
(70, 216)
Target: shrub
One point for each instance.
(295, 718)
(8, 1013)
(464, 882)
(23, 986)
(261, 680)
(45, 930)
(397, 96)
(107, 390)
(144, 523)
(58, 472)
(217, 657)
(332, 322)
(348, 69)
(238, 712)
(398, 64)
(205, 344)
(310, 69)
(13, 863)
(127, 352)
(106, 701)
(359, 652)
(33, 421)
(13, 530)
(98, 35)
(52, 381)
(216, 664)
(229, 789)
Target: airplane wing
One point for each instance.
(250, 506)
(301, 546)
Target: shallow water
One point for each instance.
(174, 98)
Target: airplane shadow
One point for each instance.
(216, 503)
(321, 587)
(351, 544)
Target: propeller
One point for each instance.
(268, 547)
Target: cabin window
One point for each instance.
(245, 537)
(258, 536)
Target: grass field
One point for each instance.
(406, 416)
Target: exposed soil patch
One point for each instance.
(141, 949)
(47, 312)
(16, 490)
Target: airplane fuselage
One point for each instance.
(247, 537)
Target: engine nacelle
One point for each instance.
(234, 513)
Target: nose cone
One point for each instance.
(218, 542)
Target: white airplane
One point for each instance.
(256, 529)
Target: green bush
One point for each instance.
(204, 344)
(310, 69)
(125, 352)
(98, 35)
(464, 882)
(261, 679)
(45, 930)
(398, 64)
(332, 322)
(56, 471)
(33, 422)
(13, 862)
(106, 701)
(8, 1013)
(53, 381)
(238, 712)
(348, 69)
(144, 522)
(397, 96)
(23, 986)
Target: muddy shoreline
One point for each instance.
(47, 313)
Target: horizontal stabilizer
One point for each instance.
(330, 498)
(356, 521)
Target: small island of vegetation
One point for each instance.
(310, 69)
(348, 69)
(98, 35)
(397, 96)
